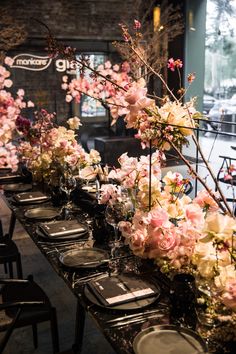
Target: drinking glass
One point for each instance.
(116, 212)
(67, 185)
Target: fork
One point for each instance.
(136, 320)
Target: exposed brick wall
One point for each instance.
(81, 19)
(88, 25)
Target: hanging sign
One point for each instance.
(34, 62)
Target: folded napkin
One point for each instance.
(62, 228)
(26, 197)
(120, 289)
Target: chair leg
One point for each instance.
(54, 330)
(35, 335)
(19, 267)
(12, 225)
(10, 269)
(5, 268)
(1, 229)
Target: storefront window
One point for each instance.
(220, 64)
(88, 106)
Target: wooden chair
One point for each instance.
(19, 306)
(9, 254)
(19, 291)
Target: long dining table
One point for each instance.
(118, 325)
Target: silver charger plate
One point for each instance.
(46, 213)
(126, 306)
(168, 339)
(17, 187)
(83, 258)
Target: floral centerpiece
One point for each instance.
(10, 108)
(178, 232)
(48, 149)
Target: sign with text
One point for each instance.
(31, 62)
(34, 62)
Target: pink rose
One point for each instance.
(229, 295)
(138, 239)
(158, 217)
(163, 240)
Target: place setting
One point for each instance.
(122, 292)
(32, 197)
(42, 213)
(62, 230)
(17, 187)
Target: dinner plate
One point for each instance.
(83, 258)
(46, 213)
(169, 339)
(131, 305)
(17, 187)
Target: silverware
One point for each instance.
(139, 319)
(90, 277)
(133, 315)
(57, 244)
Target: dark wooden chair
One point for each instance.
(19, 306)
(18, 291)
(9, 254)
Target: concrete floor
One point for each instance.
(61, 297)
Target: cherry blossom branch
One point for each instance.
(212, 174)
(193, 172)
(154, 72)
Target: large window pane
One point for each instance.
(88, 106)
(220, 66)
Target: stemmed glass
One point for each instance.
(114, 213)
(67, 185)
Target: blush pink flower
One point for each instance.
(194, 214)
(158, 217)
(125, 228)
(204, 200)
(134, 94)
(137, 25)
(138, 241)
(229, 295)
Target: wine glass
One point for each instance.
(67, 185)
(114, 213)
